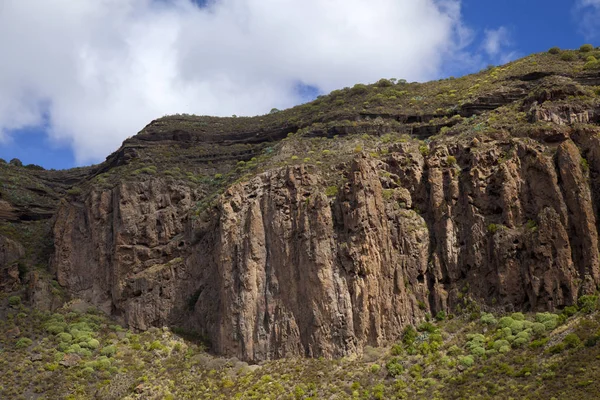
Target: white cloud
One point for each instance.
(497, 44)
(587, 13)
(99, 70)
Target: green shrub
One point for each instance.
(55, 328)
(478, 351)
(466, 361)
(108, 351)
(394, 367)
(506, 322)
(538, 328)
(424, 150)
(14, 300)
(570, 311)
(93, 344)
(500, 343)
(588, 304)
(359, 88)
(519, 342)
(557, 348)
(454, 350)
(451, 160)
(396, 350)
(554, 50)
(384, 83)
(427, 327)
(518, 316)
(504, 349)
(586, 48)
(538, 343)
(375, 368)
(492, 228)
(23, 343)
(567, 56)
(409, 335)
(549, 320)
(488, 319)
(572, 341)
(64, 337)
(592, 64)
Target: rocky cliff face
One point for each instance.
(295, 237)
(277, 268)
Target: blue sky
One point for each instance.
(76, 110)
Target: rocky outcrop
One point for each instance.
(10, 254)
(111, 248)
(277, 268)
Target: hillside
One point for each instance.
(323, 231)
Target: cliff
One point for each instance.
(322, 229)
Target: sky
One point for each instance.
(79, 77)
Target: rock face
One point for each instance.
(277, 268)
(10, 253)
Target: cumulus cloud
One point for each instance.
(96, 71)
(588, 14)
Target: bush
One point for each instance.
(478, 351)
(538, 343)
(572, 341)
(396, 350)
(588, 304)
(554, 50)
(451, 160)
(394, 367)
(93, 344)
(108, 351)
(64, 337)
(466, 361)
(504, 349)
(488, 319)
(570, 311)
(518, 316)
(557, 348)
(518, 342)
(500, 343)
(384, 83)
(15, 162)
(409, 335)
(14, 300)
(565, 56)
(516, 327)
(23, 343)
(549, 320)
(359, 88)
(440, 316)
(427, 327)
(506, 322)
(586, 48)
(538, 328)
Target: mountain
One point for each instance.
(327, 229)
